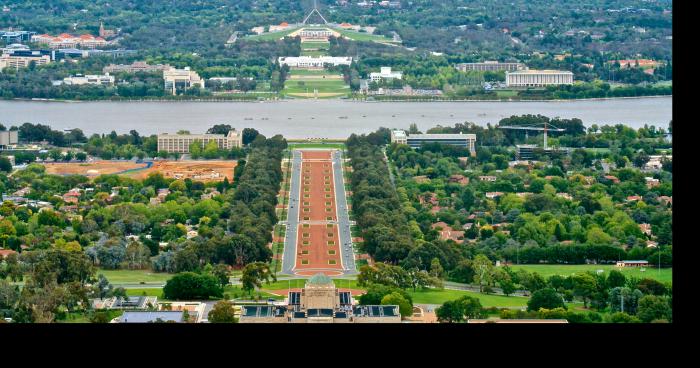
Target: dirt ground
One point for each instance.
(215, 170)
(195, 170)
(94, 168)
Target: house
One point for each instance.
(210, 194)
(665, 200)
(4, 253)
(492, 195)
(487, 178)
(459, 179)
(523, 194)
(566, 196)
(192, 234)
(612, 178)
(652, 244)
(646, 229)
(632, 263)
(432, 199)
(652, 182)
(634, 198)
(447, 233)
(420, 179)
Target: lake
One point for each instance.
(319, 118)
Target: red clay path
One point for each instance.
(318, 248)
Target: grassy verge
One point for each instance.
(665, 275)
(134, 276)
(434, 296)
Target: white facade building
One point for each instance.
(385, 73)
(17, 61)
(490, 66)
(101, 80)
(181, 79)
(538, 78)
(314, 62)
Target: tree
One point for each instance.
(222, 273)
(616, 279)
(405, 307)
(222, 312)
(5, 164)
(483, 271)
(254, 274)
(652, 307)
(249, 135)
(189, 285)
(585, 287)
(196, 149)
(452, 311)
(547, 298)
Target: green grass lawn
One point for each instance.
(506, 93)
(271, 36)
(82, 317)
(236, 292)
(565, 270)
(362, 36)
(134, 276)
(158, 292)
(434, 296)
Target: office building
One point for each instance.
(180, 143)
(320, 302)
(100, 80)
(181, 79)
(10, 36)
(538, 78)
(467, 141)
(490, 66)
(308, 62)
(385, 73)
(8, 137)
(135, 67)
(22, 59)
(67, 41)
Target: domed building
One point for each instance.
(320, 302)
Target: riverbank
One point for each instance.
(272, 100)
(327, 119)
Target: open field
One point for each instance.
(205, 170)
(134, 276)
(361, 36)
(302, 83)
(665, 275)
(434, 296)
(94, 168)
(157, 292)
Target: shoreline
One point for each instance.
(339, 99)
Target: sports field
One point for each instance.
(434, 296)
(664, 275)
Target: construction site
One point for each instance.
(205, 170)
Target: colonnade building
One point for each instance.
(538, 78)
(180, 143)
(490, 66)
(314, 62)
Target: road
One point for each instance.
(290, 239)
(343, 215)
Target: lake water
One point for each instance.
(319, 118)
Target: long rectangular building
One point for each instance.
(490, 66)
(314, 62)
(538, 78)
(180, 143)
(414, 141)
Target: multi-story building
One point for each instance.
(538, 78)
(180, 143)
(181, 79)
(10, 36)
(8, 137)
(307, 62)
(67, 41)
(414, 141)
(320, 302)
(385, 73)
(101, 80)
(135, 67)
(490, 66)
(23, 59)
